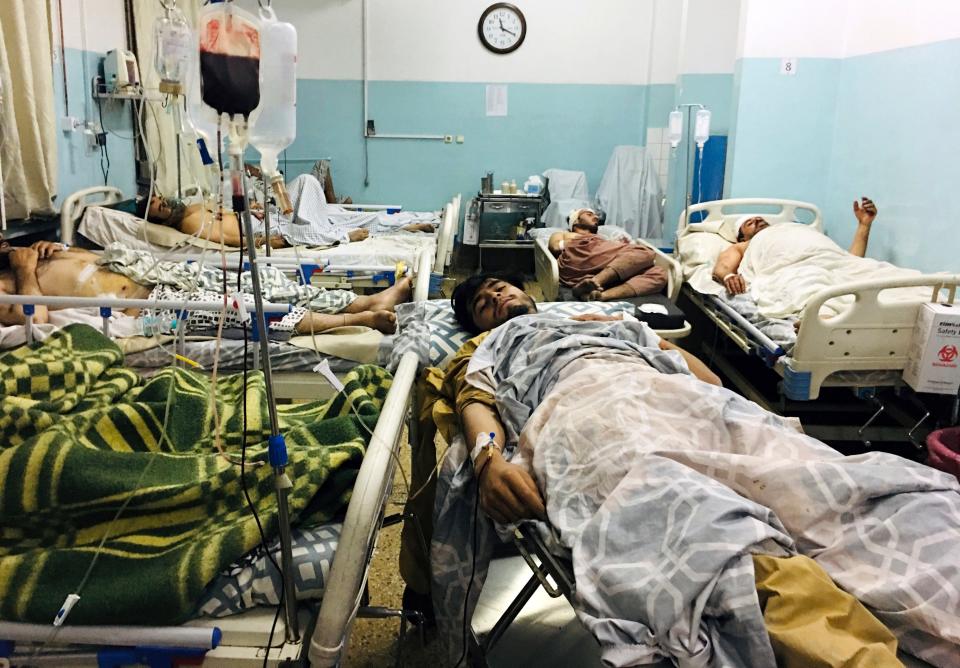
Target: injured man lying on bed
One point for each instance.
(701, 527)
(783, 266)
(603, 269)
(47, 268)
(313, 222)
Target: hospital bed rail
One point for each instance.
(348, 574)
(548, 270)
(868, 336)
(345, 583)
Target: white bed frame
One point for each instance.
(548, 277)
(74, 205)
(870, 336)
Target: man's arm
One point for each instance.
(697, 367)
(23, 263)
(507, 492)
(865, 215)
(728, 264)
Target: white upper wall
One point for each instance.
(710, 43)
(664, 63)
(568, 41)
(881, 25)
(802, 28)
(843, 28)
(94, 25)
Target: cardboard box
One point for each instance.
(933, 360)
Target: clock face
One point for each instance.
(502, 28)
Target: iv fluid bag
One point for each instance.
(274, 123)
(174, 43)
(229, 59)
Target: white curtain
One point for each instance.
(161, 136)
(28, 143)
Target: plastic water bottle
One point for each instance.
(274, 121)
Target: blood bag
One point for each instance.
(229, 59)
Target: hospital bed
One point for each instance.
(864, 347)
(548, 271)
(355, 266)
(243, 639)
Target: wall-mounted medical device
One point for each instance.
(120, 71)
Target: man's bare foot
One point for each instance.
(384, 321)
(398, 293)
(585, 288)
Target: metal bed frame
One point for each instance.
(548, 278)
(73, 207)
(871, 336)
(242, 639)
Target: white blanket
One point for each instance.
(786, 265)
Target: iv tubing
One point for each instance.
(278, 460)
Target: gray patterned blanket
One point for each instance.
(661, 487)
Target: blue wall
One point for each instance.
(784, 125)
(567, 126)
(880, 125)
(896, 140)
(548, 125)
(77, 164)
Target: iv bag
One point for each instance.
(701, 131)
(274, 123)
(675, 127)
(229, 59)
(174, 42)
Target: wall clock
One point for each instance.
(502, 27)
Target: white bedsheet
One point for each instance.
(106, 226)
(786, 265)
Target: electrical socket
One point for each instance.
(70, 123)
(459, 139)
(447, 139)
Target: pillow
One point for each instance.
(698, 249)
(429, 328)
(611, 232)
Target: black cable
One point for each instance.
(273, 628)
(473, 571)
(104, 151)
(243, 447)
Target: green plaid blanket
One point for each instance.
(77, 435)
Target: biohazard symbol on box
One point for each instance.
(948, 353)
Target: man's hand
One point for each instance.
(596, 317)
(865, 210)
(735, 284)
(507, 492)
(24, 259)
(46, 248)
(358, 235)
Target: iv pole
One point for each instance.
(687, 170)
(277, 447)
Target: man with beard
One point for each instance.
(603, 269)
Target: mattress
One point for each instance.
(106, 226)
(252, 580)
